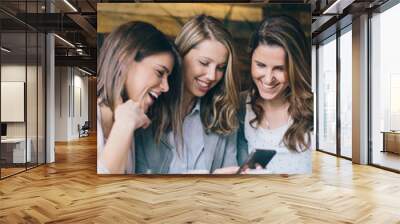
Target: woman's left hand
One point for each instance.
(227, 170)
(257, 170)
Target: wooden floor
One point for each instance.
(387, 159)
(70, 191)
(5, 172)
(10, 171)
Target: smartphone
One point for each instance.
(260, 156)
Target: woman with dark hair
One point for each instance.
(278, 109)
(137, 64)
(201, 137)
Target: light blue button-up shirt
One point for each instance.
(192, 156)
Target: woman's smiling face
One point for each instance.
(268, 71)
(148, 78)
(204, 66)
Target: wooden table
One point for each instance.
(391, 141)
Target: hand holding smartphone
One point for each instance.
(259, 156)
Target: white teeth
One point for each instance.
(154, 95)
(268, 86)
(202, 84)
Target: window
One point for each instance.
(385, 89)
(22, 76)
(346, 92)
(327, 96)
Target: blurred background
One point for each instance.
(241, 19)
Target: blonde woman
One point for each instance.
(137, 64)
(201, 137)
(278, 110)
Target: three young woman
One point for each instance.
(194, 122)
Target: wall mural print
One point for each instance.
(204, 88)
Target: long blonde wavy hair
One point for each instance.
(286, 32)
(219, 106)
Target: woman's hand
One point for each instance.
(227, 170)
(257, 170)
(130, 114)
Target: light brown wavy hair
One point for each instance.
(219, 106)
(286, 32)
(130, 42)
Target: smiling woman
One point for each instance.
(268, 72)
(137, 63)
(148, 79)
(204, 67)
(201, 138)
(277, 112)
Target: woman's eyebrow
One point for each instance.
(207, 58)
(212, 60)
(163, 67)
(259, 62)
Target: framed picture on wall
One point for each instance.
(204, 88)
(12, 101)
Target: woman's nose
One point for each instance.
(211, 74)
(268, 76)
(164, 84)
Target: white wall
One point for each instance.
(79, 117)
(70, 84)
(33, 126)
(12, 73)
(61, 103)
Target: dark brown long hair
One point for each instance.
(286, 32)
(135, 41)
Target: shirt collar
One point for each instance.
(196, 108)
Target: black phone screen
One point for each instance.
(259, 156)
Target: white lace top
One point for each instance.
(285, 161)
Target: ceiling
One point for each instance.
(72, 20)
(76, 22)
(332, 15)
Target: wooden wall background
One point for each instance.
(241, 19)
